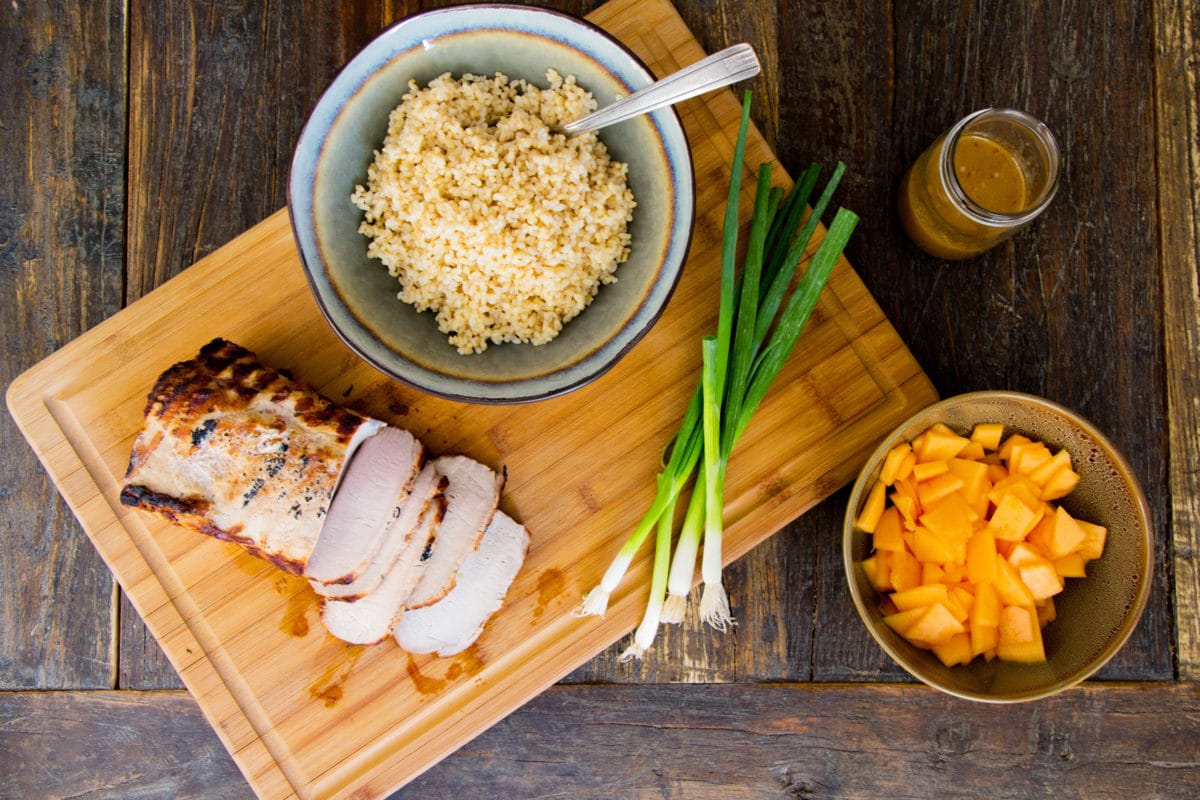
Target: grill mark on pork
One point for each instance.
(236, 450)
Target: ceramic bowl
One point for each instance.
(358, 296)
(1095, 615)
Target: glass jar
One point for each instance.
(979, 183)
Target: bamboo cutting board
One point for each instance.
(307, 716)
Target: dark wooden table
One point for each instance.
(140, 136)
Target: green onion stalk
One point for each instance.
(738, 364)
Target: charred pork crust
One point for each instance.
(229, 376)
(279, 443)
(192, 513)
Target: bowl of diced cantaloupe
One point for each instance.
(998, 547)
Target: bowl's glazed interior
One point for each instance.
(1095, 615)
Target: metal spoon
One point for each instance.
(720, 69)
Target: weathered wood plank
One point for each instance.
(218, 96)
(61, 209)
(1177, 80)
(1069, 310)
(727, 742)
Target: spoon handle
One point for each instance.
(720, 69)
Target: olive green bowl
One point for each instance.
(1095, 615)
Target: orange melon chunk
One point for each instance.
(970, 547)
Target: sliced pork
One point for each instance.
(453, 623)
(428, 487)
(370, 619)
(373, 490)
(237, 450)
(472, 494)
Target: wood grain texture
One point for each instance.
(693, 742)
(61, 215)
(1177, 80)
(216, 90)
(585, 468)
(1070, 309)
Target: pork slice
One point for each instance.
(453, 623)
(429, 484)
(472, 494)
(237, 450)
(373, 488)
(370, 619)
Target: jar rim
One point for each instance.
(972, 209)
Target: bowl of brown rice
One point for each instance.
(454, 240)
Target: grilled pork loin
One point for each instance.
(373, 490)
(453, 623)
(370, 619)
(472, 494)
(236, 450)
(428, 489)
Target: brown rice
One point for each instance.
(503, 229)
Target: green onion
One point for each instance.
(753, 341)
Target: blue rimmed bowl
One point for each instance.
(358, 296)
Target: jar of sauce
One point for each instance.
(982, 181)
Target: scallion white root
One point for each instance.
(683, 565)
(648, 629)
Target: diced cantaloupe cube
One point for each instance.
(1094, 536)
(1010, 587)
(984, 638)
(939, 444)
(988, 434)
(929, 469)
(981, 557)
(1017, 624)
(1006, 447)
(1070, 566)
(905, 570)
(905, 469)
(986, 610)
(931, 572)
(974, 477)
(962, 598)
(872, 509)
(1061, 484)
(901, 621)
(955, 650)
(973, 451)
(950, 519)
(928, 546)
(888, 530)
(1023, 553)
(1041, 579)
(935, 626)
(1020, 636)
(1011, 519)
(1023, 652)
(892, 461)
(1046, 470)
(1025, 458)
(907, 506)
(997, 472)
(934, 491)
(954, 571)
(1057, 534)
(925, 595)
(881, 571)
(1020, 487)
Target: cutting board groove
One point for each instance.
(307, 716)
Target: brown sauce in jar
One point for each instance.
(990, 175)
